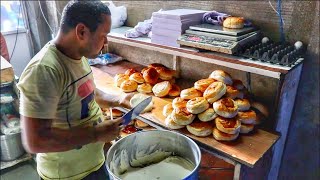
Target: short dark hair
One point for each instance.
(87, 12)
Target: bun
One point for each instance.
(233, 22)
(128, 86)
(137, 77)
(144, 88)
(247, 117)
(197, 105)
(221, 76)
(260, 107)
(221, 136)
(155, 65)
(215, 91)
(167, 110)
(137, 98)
(119, 78)
(151, 75)
(182, 116)
(233, 93)
(190, 93)
(174, 91)
(207, 115)
(243, 104)
(238, 84)
(226, 108)
(115, 112)
(199, 128)
(229, 126)
(144, 69)
(140, 124)
(171, 124)
(203, 84)
(178, 102)
(164, 73)
(161, 89)
(130, 71)
(246, 128)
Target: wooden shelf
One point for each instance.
(244, 64)
(247, 149)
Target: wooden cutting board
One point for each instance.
(247, 149)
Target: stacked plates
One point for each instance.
(167, 26)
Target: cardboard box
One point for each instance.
(7, 74)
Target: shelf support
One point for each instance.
(176, 65)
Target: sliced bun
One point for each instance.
(229, 126)
(199, 128)
(221, 136)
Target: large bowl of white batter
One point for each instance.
(144, 151)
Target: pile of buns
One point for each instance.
(218, 105)
(156, 79)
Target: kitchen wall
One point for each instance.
(301, 18)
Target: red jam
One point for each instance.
(130, 129)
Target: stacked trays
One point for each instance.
(167, 26)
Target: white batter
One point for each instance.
(171, 168)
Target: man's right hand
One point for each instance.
(108, 130)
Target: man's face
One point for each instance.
(97, 39)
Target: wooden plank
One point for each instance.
(285, 108)
(247, 149)
(243, 64)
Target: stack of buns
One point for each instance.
(156, 79)
(216, 105)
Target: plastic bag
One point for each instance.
(118, 14)
(104, 59)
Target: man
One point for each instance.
(61, 120)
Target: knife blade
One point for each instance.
(134, 112)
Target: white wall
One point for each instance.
(21, 55)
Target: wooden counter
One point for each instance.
(247, 149)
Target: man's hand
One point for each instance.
(108, 130)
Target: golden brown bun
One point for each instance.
(154, 65)
(246, 128)
(243, 104)
(182, 116)
(203, 84)
(226, 108)
(247, 117)
(137, 77)
(233, 93)
(215, 91)
(233, 22)
(199, 128)
(167, 110)
(207, 115)
(119, 78)
(221, 136)
(238, 84)
(174, 91)
(144, 69)
(115, 112)
(190, 93)
(140, 124)
(222, 76)
(151, 76)
(144, 88)
(130, 71)
(171, 124)
(161, 89)
(197, 105)
(129, 86)
(178, 102)
(229, 126)
(262, 108)
(165, 73)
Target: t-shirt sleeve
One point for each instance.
(40, 92)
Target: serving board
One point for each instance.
(247, 149)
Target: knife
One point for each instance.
(134, 112)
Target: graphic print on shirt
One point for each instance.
(86, 91)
